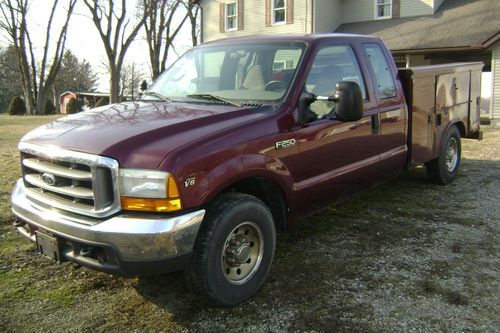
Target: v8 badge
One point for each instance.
(189, 181)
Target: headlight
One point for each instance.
(148, 190)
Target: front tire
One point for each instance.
(444, 168)
(234, 250)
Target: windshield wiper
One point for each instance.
(157, 95)
(210, 97)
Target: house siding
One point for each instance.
(254, 18)
(495, 96)
(364, 10)
(357, 10)
(417, 7)
(327, 15)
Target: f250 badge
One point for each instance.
(189, 181)
(285, 144)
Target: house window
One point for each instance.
(383, 9)
(279, 11)
(231, 16)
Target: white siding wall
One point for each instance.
(327, 15)
(495, 97)
(357, 10)
(254, 20)
(416, 7)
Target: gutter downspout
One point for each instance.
(202, 31)
(313, 18)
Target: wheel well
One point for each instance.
(461, 128)
(267, 191)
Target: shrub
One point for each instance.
(74, 106)
(101, 102)
(17, 106)
(49, 107)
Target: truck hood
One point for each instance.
(139, 134)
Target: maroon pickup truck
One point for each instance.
(236, 140)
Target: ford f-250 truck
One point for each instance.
(234, 141)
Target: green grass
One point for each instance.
(12, 129)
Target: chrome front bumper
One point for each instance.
(131, 237)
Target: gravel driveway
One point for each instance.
(407, 256)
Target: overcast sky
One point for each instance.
(84, 41)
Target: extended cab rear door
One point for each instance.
(389, 121)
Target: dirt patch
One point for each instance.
(407, 256)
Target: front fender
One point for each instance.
(209, 184)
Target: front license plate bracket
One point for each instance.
(48, 246)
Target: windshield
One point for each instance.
(231, 73)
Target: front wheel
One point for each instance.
(444, 168)
(234, 249)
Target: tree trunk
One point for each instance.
(28, 101)
(41, 101)
(114, 86)
(55, 100)
(155, 65)
(27, 84)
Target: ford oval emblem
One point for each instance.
(49, 178)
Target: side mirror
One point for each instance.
(349, 101)
(305, 101)
(348, 107)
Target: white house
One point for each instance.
(418, 32)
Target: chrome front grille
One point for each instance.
(76, 182)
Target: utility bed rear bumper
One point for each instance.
(124, 244)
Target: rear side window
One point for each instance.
(384, 81)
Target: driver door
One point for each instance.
(337, 158)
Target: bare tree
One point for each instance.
(111, 23)
(37, 76)
(161, 31)
(130, 78)
(193, 11)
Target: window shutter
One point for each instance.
(268, 13)
(289, 11)
(240, 15)
(396, 8)
(222, 17)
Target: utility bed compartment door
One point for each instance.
(423, 115)
(452, 97)
(475, 101)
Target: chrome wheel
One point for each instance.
(451, 154)
(242, 253)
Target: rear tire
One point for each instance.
(234, 250)
(444, 168)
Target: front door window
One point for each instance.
(332, 65)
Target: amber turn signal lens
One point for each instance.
(151, 205)
(172, 190)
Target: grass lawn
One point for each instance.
(407, 256)
(12, 129)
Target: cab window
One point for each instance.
(384, 82)
(333, 64)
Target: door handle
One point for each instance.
(375, 124)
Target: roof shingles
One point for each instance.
(457, 23)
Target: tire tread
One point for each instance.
(196, 273)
